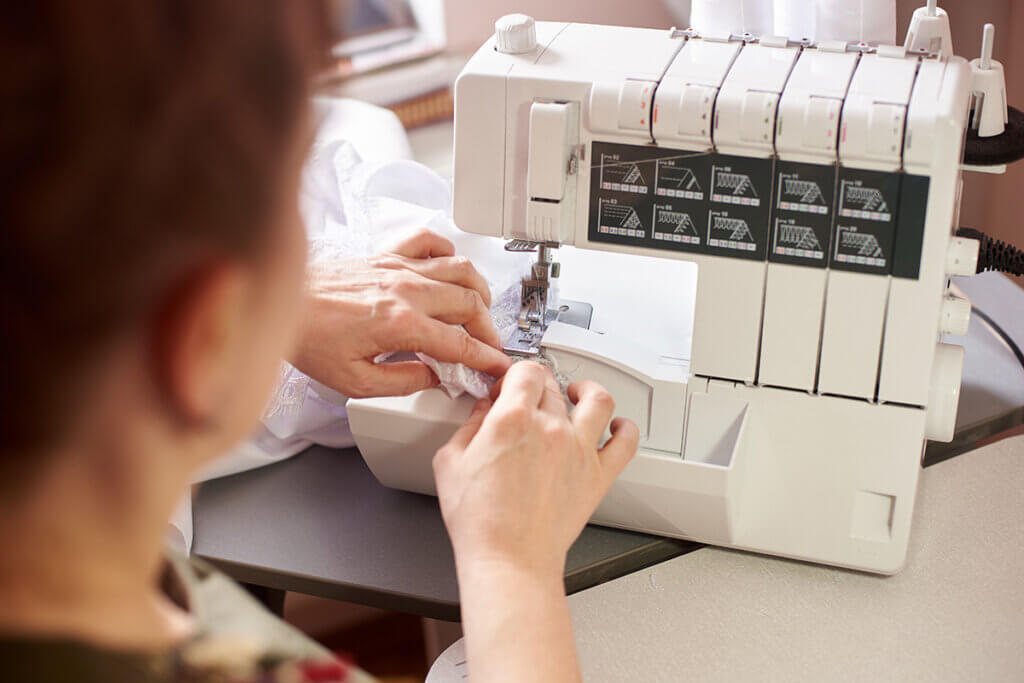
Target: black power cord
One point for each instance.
(1001, 333)
(995, 254)
(998, 256)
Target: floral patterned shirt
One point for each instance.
(237, 641)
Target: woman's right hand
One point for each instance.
(518, 482)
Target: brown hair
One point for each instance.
(133, 133)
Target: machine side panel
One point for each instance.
(792, 326)
(727, 319)
(936, 120)
(802, 219)
(866, 211)
(799, 248)
(480, 153)
(852, 334)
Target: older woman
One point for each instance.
(151, 276)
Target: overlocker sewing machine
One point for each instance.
(815, 186)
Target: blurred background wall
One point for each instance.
(991, 203)
(470, 22)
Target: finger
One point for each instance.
(423, 244)
(398, 379)
(523, 384)
(552, 402)
(496, 388)
(464, 434)
(456, 270)
(454, 305)
(594, 408)
(619, 449)
(452, 344)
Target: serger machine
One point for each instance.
(815, 186)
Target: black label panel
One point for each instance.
(802, 215)
(740, 207)
(814, 215)
(906, 258)
(866, 204)
(649, 196)
(680, 210)
(622, 185)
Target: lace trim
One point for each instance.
(290, 394)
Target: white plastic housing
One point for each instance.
(685, 102)
(807, 131)
(989, 85)
(875, 111)
(929, 31)
(749, 99)
(810, 108)
(814, 378)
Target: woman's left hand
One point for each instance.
(417, 296)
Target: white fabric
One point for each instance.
(871, 21)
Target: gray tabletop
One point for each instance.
(955, 612)
(320, 523)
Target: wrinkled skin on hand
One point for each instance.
(418, 296)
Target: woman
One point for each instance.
(151, 278)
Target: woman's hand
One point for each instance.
(520, 479)
(418, 296)
(517, 483)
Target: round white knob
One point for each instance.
(956, 316)
(515, 34)
(944, 393)
(962, 256)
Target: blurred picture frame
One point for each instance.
(376, 34)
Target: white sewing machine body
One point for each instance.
(815, 187)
